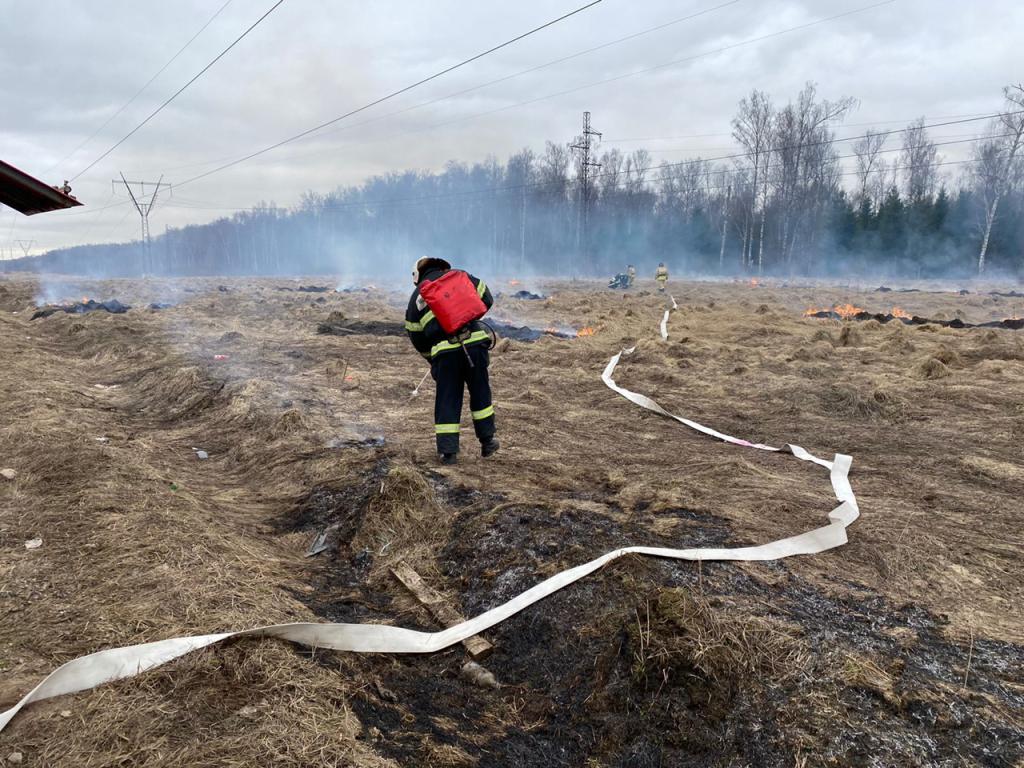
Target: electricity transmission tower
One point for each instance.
(144, 206)
(585, 148)
(25, 245)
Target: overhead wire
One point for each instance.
(481, 86)
(392, 95)
(177, 93)
(139, 92)
(575, 89)
(629, 139)
(663, 166)
(674, 62)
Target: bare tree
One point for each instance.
(996, 164)
(869, 162)
(752, 129)
(801, 147)
(919, 160)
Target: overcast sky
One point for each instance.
(66, 66)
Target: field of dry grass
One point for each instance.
(905, 647)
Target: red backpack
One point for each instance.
(453, 299)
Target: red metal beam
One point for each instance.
(29, 195)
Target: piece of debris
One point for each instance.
(201, 455)
(528, 295)
(480, 676)
(247, 711)
(386, 693)
(113, 306)
(221, 358)
(313, 289)
(525, 333)
(371, 441)
(15, 758)
(160, 305)
(103, 439)
(33, 544)
(319, 544)
(8, 474)
(223, 288)
(339, 325)
(440, 609)
(65, 713)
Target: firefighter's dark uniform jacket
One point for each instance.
(450, 366)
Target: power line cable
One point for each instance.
(489, 83)
(734, 156)
(630, 139)
(143, 88)
(175, 95)
(672, 63)
(392, 95)
(426, 199)
(192, 204)
(584, 86)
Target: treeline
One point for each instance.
(782, 204)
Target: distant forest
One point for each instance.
(782, 205)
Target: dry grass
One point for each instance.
(725, 645)
(143, 541)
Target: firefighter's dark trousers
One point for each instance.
(452, 372)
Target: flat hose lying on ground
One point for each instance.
(116, 663)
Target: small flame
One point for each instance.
(754, 282)
(845, 311)
(897, 312)
(514, 283)
(588, 331)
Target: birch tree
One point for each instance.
(996, 162)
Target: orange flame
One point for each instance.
(754, 282)
(586, 331)
(847, 311)
(897, 312)
(514, 283)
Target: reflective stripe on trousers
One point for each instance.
(454, 375)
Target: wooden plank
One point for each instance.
(440, 608)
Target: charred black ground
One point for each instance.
(901, 648)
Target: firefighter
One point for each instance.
(631, 272)
(661, 275)
(457, 361)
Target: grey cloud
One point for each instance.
(66, 66)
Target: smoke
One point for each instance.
(767, 212)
